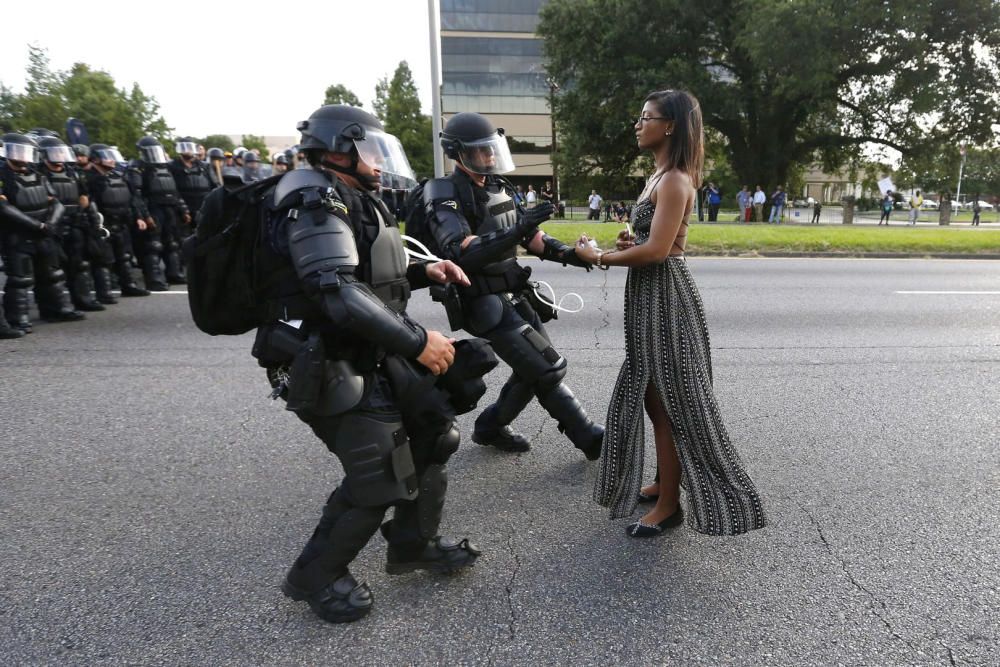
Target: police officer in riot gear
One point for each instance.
(216, 161)
(280, 164)
(373, 384)
(475, 222)
(31, 215)
(81, 230)
(82, 153)
(166, 211)
(251, 167)
(192, 176)
(123, 212)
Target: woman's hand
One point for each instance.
(625, 240)
(585, 251)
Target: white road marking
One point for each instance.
(946, 292)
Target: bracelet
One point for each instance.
(602, 267)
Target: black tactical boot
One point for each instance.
(560, 403)
(82, 291)
(490, 434)
(441, 555)
(102, 285)
(338, 600)
(7, 331)
(588, 439)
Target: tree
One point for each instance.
(218, 141)
(340, 94)
(111, 115)
(253, 142)
(783, 83)
(397, 105)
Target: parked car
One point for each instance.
(931, 205)
(983, 205)
(803, 203)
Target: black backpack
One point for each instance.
(220, 259)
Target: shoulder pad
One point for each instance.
(299, 179)
(437, 189)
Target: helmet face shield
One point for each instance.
(21, 152)
(56, 154)
(186, 148)
(383, 151)
(154, 154)
(489, 155)
(106, 155)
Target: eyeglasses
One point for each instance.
(643, 119)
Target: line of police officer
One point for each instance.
(72, 220)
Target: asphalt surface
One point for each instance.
(152, 497)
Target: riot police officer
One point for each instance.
(81, 229)
(280, 163)
(369, 381)
(192, 177)
(216, 161)
(475, 222)
(31, 215)
(123, 212)
(166, 211)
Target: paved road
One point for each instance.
(151, 497)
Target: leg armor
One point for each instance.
(417, 521)
(170, 242)
(121, 248)
(149, 248)
(20, 279)
(51, 293)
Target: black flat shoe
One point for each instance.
(640, 529)
(644, 498)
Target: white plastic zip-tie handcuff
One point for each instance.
(424, 253)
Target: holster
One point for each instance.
(546, 313)
(448, 295)
(496, 278)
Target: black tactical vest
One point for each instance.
(31, 194)
(67, 189)
(116, 196)
(193, 182)
(158, 185)
(495, 210)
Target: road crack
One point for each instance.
(242, 427)
(605, 315)
(879, 604)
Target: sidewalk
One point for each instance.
(833, 215)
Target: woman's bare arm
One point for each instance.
(671, 198)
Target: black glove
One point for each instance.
(532, 217)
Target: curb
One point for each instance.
(848, 255)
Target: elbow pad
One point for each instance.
(555, 250)
(320, 241)
(352, 305)
(18, 219)
(442, 211)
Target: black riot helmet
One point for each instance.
(471, 140)
(81, 150)
(186, 146)
(341, 128)
(151, 151)
(37, 133)
(216, 154)
(19, 149)
(54, 150)
(105, 156)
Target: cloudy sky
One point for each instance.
(231, 67)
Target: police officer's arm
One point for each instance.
(133, 178)
(453, 235)
(553, 250)
(323, 250)
(14, 218)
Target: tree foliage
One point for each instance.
(340, 94)
(112, 115)
(783, 83)
(253, 142)
(397, 105)
(218, 141)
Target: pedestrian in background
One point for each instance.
(887, 203)
(745, 200)
(530, 197)
(714, 201)
(758, 204)
(916, 201)
(594, 203)
(777, 204)
(817, 207)
(976, 209)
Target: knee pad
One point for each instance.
(20, 282)
(445, 445)
(529, 353)
(82, 265)
(155, 247)
(552, 378)
(376, 455)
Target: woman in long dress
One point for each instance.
(668, 366)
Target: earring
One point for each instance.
(667, 134)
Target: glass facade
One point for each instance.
(490, 15)
(493, 75)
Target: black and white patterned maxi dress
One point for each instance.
(666, 343)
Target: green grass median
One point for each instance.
(723, 239)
